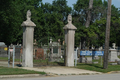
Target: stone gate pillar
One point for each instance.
(28, 33)
(69, 41)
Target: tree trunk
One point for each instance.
(89, 13)
(107, 36)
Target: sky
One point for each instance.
(70, 3)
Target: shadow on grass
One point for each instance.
(60, 63)
(49, 64)
(93, 65)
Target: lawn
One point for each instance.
(38, 62)
(3, 59)
(98, 67)
(93, 67)
(47, 63)
(6, 59)
(14, 71)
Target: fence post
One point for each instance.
(75, 56)
(13, 55)
(8, 56)
(101, 60)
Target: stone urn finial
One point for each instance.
(50, 40)
(28, 22)
(28, 15)
(69, 18)
(69, 26)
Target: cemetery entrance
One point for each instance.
(48, 52)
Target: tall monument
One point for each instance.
(69, 41)
(28, 33)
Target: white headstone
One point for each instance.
(113, 55)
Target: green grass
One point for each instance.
(14, 71)
(93, 67)
(6, 59)
(38, 62)
(46, 63)
(3, 58)
(98, 67)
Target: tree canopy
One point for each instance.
(51, 18)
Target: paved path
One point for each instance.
(5, 64)
(60, 70)
(51, 71)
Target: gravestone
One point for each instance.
(3, 51)
(82, 59)
(113, 55)
(113, 63)
(88, 59)
(69, 41)
(95, 62)
(39, 53)
(28, 33)
(2, 43)
(118, 62)
(55, 51)
(118, 53)
(96, 58)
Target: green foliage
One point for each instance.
(51, 18)
(95, 34)
(12, 15)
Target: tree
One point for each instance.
(10, 22)
(107, 36)
(98, 13)
(13, 13)
(114, 31)
(79, 11)
(50, 19)
(61, 7)
(54, 18)
(89, 13)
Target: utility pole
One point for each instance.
(107, 36)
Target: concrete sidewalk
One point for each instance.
(61, 70)
(53, 70)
